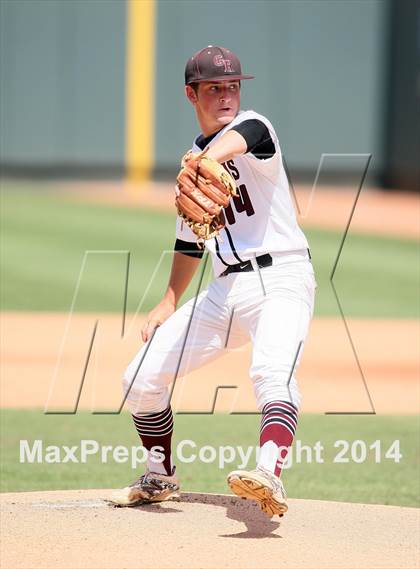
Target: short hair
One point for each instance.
(194, 86)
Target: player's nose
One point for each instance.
(224, 94)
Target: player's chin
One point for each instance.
(226, 118)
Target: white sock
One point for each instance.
(158, 467)
(268, 456)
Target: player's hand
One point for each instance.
(156, 317)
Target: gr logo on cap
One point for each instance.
(214, 63)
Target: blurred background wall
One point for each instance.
(333, 77)
(62, 81)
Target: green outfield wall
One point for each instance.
(319, 69)
(62, 85)
(71, 73)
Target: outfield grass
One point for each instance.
(45, 236)
(384, 482)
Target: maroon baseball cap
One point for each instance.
(214, 63)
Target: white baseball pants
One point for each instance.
(272, 307)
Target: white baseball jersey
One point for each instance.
(261, 219)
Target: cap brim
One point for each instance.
(222, 78)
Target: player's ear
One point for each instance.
(191, 94)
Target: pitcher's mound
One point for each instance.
(77, 529)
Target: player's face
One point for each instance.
(216, 103)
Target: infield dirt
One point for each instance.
(329, 375)
(77, 529)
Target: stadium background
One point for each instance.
(93, 124)
(96, 88)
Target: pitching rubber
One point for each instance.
(251, 489)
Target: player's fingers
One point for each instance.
(148, 329)
(144, 332)
(177, 192)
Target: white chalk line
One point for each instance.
(66, 505)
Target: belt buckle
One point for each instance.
(263, 258)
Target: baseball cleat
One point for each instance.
(262, 486)
(150, 487)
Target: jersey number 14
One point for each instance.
(242, 202)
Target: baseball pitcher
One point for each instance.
(233, 200)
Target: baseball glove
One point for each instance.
(204, 189)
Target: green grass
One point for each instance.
(385, 482)
(44, 237)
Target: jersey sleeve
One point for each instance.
(188, 248)
(270, 166)
(257, 138)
